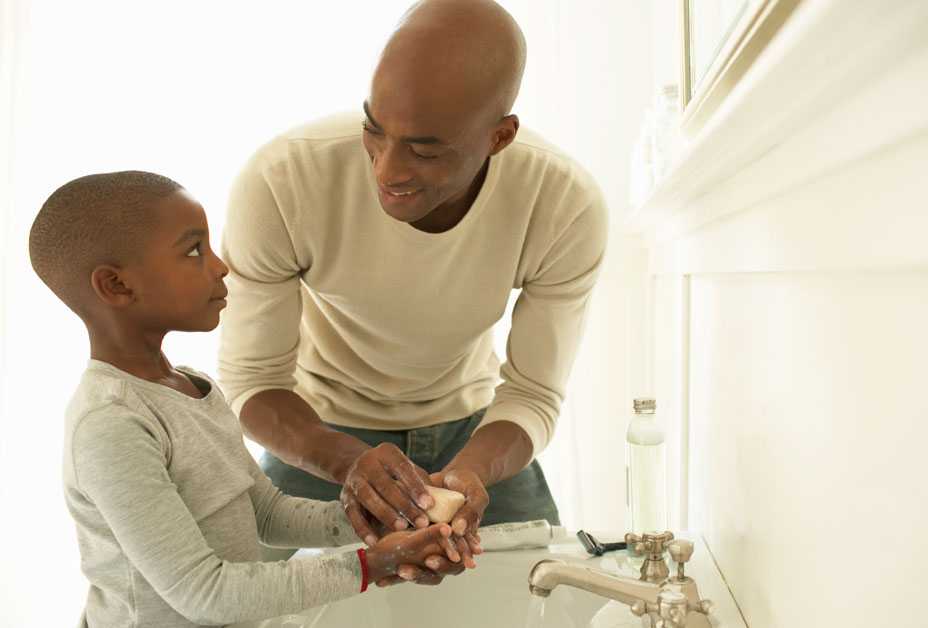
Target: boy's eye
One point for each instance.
(195, 251)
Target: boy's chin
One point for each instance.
(208, 322)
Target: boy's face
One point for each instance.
(178, 283)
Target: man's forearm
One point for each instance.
(284, 424)
(495, 452)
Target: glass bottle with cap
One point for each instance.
(645, 470)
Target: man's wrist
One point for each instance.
(328, 453)
(494, 452)
(464, 463)
(349, 450)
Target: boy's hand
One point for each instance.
(438, 566)
(412, 556)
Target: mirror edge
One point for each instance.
(756, 28)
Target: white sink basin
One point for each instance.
(496, 594)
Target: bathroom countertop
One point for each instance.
(496, 594)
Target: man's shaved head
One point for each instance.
(93, 220)
(440, 108)
(471, 49)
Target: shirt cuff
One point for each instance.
(331, 577)
(239, 401)
(538, 428)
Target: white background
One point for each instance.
(189, 89)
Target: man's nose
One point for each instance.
(391, 165)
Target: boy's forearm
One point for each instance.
(284, 424)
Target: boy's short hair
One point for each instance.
(93, 220)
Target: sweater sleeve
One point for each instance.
(287, 521)
(547, 326)
(260, 327)
(120, 464)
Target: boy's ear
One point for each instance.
(110, 287)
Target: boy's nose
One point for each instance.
(221, 267)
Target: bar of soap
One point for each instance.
(446, 505)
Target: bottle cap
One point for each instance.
(645, 405)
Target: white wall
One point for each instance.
(790, 266)
(809, 417)
(602, 73)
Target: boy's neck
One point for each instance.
(136, 353)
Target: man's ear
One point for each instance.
(505, 133)
(110, 286)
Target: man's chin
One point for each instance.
(408, 216)
(404, 208)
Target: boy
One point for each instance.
(169, 505)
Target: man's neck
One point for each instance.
(445, 217)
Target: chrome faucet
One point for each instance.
(669, 601)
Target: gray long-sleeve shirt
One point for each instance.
(170, 507)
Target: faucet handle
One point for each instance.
(649, 542)
(681, 551)
(654, 568)
(672, 608)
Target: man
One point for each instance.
(368, 266)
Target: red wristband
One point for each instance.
(362, 556)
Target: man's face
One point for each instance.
(178, 281)
(423, 157)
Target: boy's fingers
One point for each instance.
(409, 572)
(473, 541)
(436, 532)
(443, 566)
(449, 549)
(464, 550)
(389, 581)
(429, 579)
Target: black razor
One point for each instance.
(596, 548)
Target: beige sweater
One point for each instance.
(378, 325)
(170, 506)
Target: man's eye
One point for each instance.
(421, 156)
(195, 251)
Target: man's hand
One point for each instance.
(466, 544)
(467, 519)
(383, 482)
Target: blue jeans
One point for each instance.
(523, 497)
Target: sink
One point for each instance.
(496, 595)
